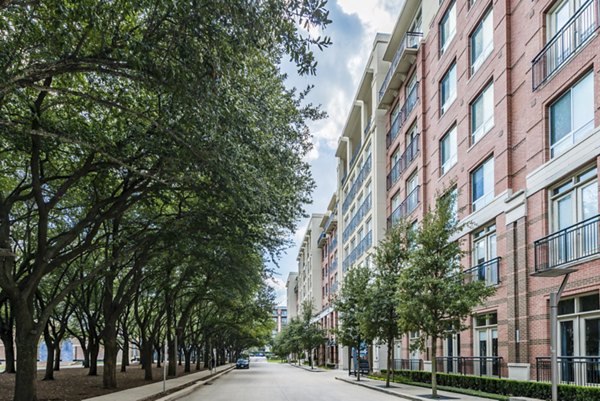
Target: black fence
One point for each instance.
(471, 365)
(408, 364)
(579, 370)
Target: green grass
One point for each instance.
(465, 391)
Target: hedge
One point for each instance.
(517, 388)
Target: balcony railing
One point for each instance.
(333, 267)
(408, 205)
(471, 365)
(402, 116)
(410, 40)
(362, 211)
(410, 153)
(331, 221)
(579, 370)
(568, 245)
(368, 127)
(486, 271)
(566, 42)
(408, 364)
(332, 245)
(355, 153)
(360, 178)
(358, 250)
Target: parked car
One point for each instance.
(242, 364)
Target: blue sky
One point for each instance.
(352, 31)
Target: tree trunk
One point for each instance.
(125, 355)
(172, 352)
(94, 349)
(49, 359)
(147, 357)
(111, 349)
(9, 350)
(86, 356)
(57, 357)
(198, 357)
(187, 353)
(434, 393)
(27, 340)
(158, 355)
(390, 360)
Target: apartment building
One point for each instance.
(499, 102)
(291, 286)
(330, 283)
(309, 266)
(280, 318)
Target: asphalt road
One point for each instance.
(266, 381)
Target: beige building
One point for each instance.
(291, 286)
(309, 266)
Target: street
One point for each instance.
(274, 382)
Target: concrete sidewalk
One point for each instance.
(408, 392)
(155, 389)
(307, 368)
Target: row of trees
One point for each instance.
(302, 335)
(151, 159)
(417, 284)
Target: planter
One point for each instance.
(519, 371)
(427, 366)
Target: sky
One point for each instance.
(340, 67)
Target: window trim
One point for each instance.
(488, 196)
(486, 125)
(450, 100)
(453, 160)
(444, 46)
(487, 50)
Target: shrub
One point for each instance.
(566, 392)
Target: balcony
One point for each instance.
(332, 245)
(408, 205)
(486, 271)
(362, 211)
(358, 251)
(322, 239)
(471, 365)
(331, 222)
(402, 116)
(557, 252)
(578, 370)
(405, 56)
(368, 127)
(410, 153)
(360, 178)
(573, 36)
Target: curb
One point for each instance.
(194, 386)
(316, 370)
(382, 390)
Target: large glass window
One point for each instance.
(447, 27)
(560, 15)
(482, 41)
(482, 182)
(482, 114)
(572, 116)
(412, 195)
(448, 88)
(484, 255)
(486, 345)
(448, 150)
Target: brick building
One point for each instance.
(499, 101)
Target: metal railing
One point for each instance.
(408, 364)
(355, 154)
(358, 250)
(409, 41)
(408, 205)
(568, 245)
(332, 245)
(579, 370)
(361, 212)
(402, 116)
(360, 178)
(566, 42)
(487, 271)
(410, 153)
(471, 365)
(368, 127)
(331, 220)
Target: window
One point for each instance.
(486, 345)
(368, 226)
(572, 202)
(482, 41)
(572, 116)
(453, 194)
(560, 15)
(416, 24)
(484, 255)
(448, 89)
(482, 181)
(451, 353)
(448, 150)
(579, 335)
(482, 114)
(412, 192)
(447, 27)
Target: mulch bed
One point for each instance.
(73, 384)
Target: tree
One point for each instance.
(435, 296)
(391, 257)
(311, 333)
(352, 306)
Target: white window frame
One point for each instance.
(576, 134)
(448, 18)
(486, 98)
(486, 21)
(450, 75)
(488, 190)
(451, 138)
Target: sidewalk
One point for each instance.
(155, 389)
(307, 368)
(408, 392)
